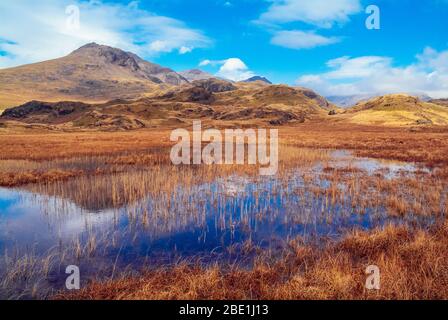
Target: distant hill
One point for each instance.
(258, 78)
(196, 74)
(442, 102)
(397, 110)
(351, 100)
(90, 73)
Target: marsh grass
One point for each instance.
(412, 265)
(127, 175)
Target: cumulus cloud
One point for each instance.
(38, 30)
(233, 69)
(377, 75)
(296, 39)
(321, 13)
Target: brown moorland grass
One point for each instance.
(413, 262)
(45, 146)
(425, 145)
(21, 178)
(428, 145)
(413, 265)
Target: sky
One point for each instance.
(324, 45)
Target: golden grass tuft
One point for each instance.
(413, 265)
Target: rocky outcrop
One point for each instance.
(35, 108)
(215, 85)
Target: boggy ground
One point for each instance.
(420, 144)
(413, 260)
(413, 265)
(44, 156)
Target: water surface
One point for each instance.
(211, 219)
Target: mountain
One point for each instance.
(397, 110)
(215, 102)
(351, 100)
(196, 74)
(91, 73)
(422, 96)
(441, 102)
(258, 78)
(100, 87)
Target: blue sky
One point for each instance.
(322, 44)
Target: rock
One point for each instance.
(194, 94)
(424, 122)
(215, 85)
(43, 108)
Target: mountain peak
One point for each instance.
(90, 45)
(109, 55)
(195, 71)
(196, 74)
(99, 49)
(257, 78)
(92, 72)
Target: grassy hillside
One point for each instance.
(213, 101)
(397, 110)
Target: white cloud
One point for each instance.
(296, 39)
(321, 13)
(432, 59)
(184, 50)
(205, 63)
(160, 46)
(315, 13)
(378, 75)
(233, 69)
(361, 67)
(37, 30)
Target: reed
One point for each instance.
(412, 265)
(129, 176)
